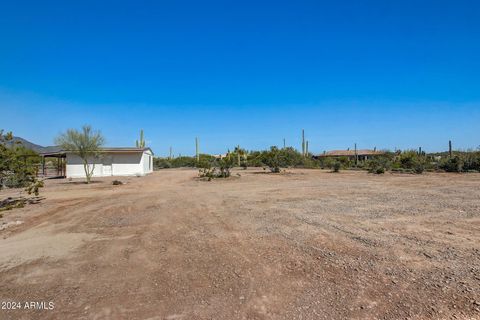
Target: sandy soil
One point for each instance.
(307, 244)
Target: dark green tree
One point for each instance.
(14, 168)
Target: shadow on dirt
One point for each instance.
(18, 202)
(81, 182)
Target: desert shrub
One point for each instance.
(225, 165)
(454, 164)
(212, 168)
(311, 163)
(271, 159)
(181, 162)
(412, 161)
(17, 165)
(408, 159)
(402, 170)
(471, 162)
(378, 165)
(326, 163)
(117, 182)
(336, 166)
(161, 163)
(419, 168)
(345, 162)
(255, 159)
(209, 173)
(379, 170)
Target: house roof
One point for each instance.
(103, 150)
(351, 153)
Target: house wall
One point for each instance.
(75, 166)
(111, 164)
(147, 162)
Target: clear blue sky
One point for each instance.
(380, 73)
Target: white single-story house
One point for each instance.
(125, 161)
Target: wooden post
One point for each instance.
(450, 148)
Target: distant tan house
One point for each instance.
(362, 154)
(219, 156)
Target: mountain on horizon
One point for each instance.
(34, 147)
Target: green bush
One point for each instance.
(336, 166)
(471, 162)
(378, 165)
(411, 160)
(454, 164)
(419, 168)
(225, 165)
(161, 163)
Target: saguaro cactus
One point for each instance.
(238, 155)
(197, 150)
(306, 148)
(170, 157)
(140, 143)
(356, 154)
(303, 142)
(450, 148)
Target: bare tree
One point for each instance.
(85, 143)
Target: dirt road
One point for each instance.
(307, 244)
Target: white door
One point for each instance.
(107, 166)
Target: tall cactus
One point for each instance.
(197, 154)
(356, 155)
(303, 142)
(238, 155)
(140, 143)
(450, 148)
(306, 148)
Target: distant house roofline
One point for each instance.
(102, 150)
(351, 153)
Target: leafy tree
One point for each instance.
(85, 143)
(272, 159)
(14, 170)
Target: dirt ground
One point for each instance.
(306, 244)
